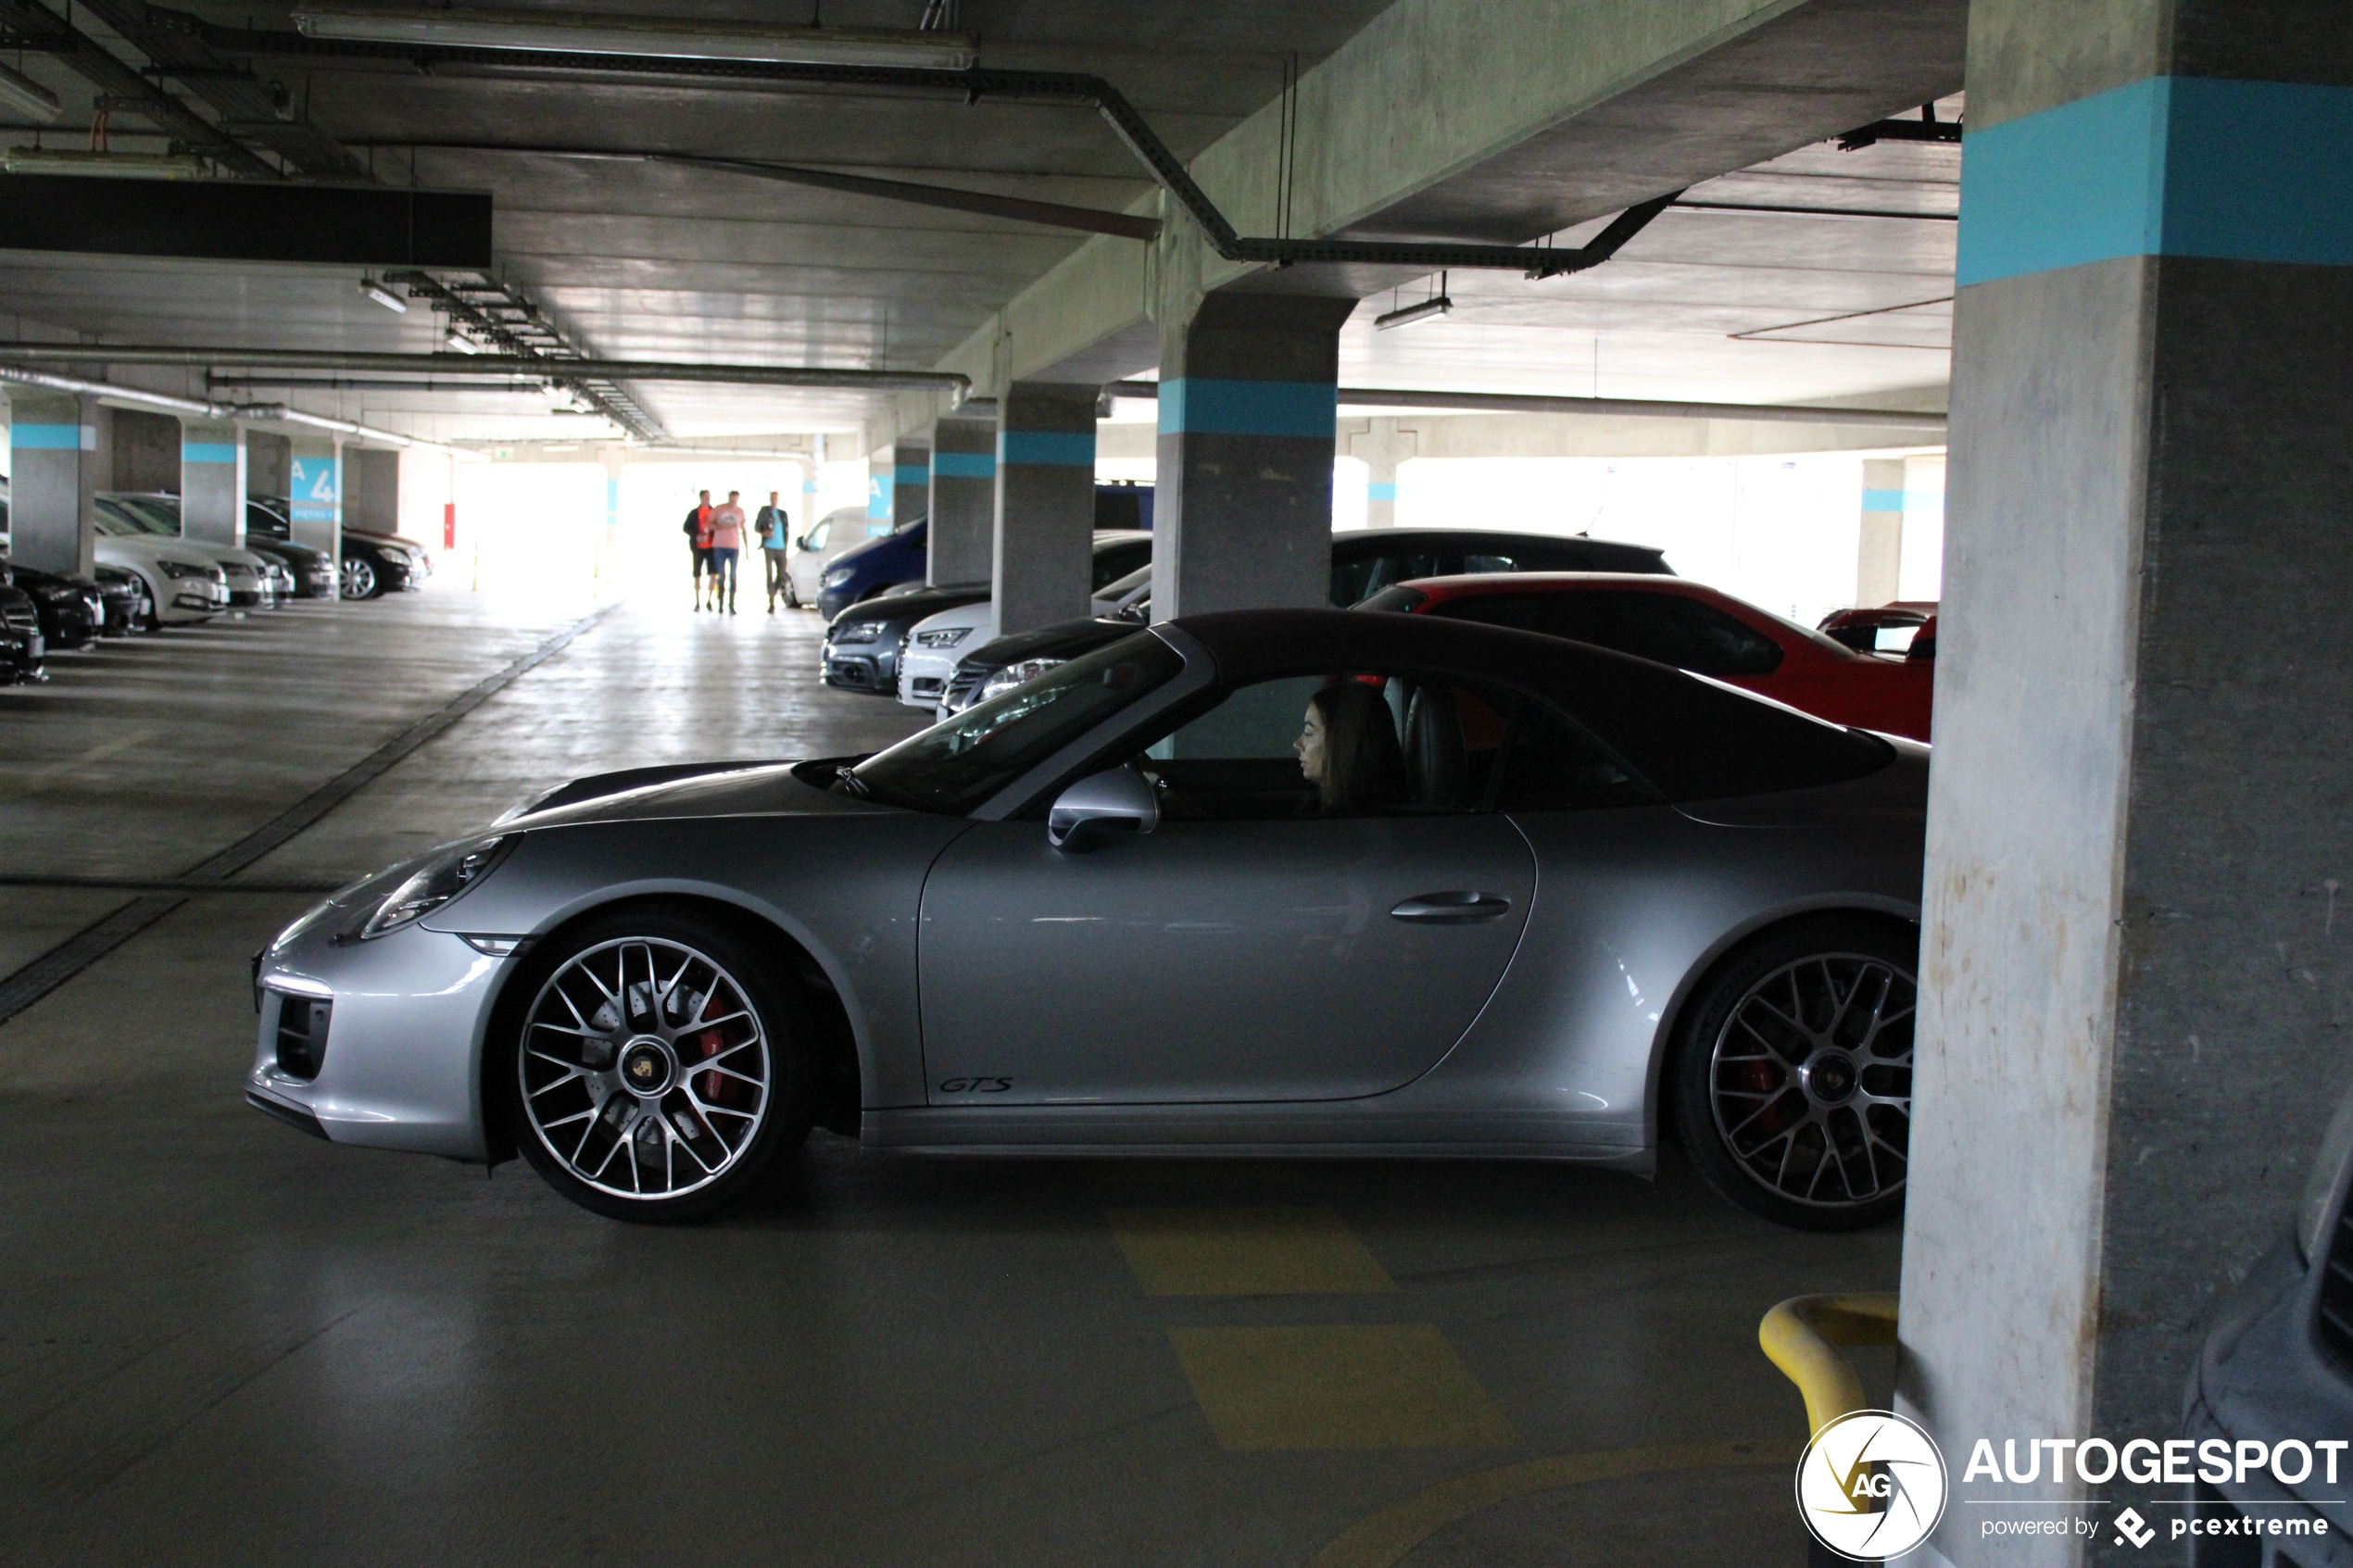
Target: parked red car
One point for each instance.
(1677, 621)
(1889, 628)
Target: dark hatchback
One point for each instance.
(373, 564)
(1364, 563)
(861, 643)
(72, 609)
(22, 649)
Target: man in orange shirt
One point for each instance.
(697, 531)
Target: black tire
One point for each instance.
(1791, 1073)
(563, 1063)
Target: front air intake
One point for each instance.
(302, 1034)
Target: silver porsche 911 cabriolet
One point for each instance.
(1267, 883)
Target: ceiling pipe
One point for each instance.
(1070, 88)
(955, 385)
(1519, 403)
(272, 412)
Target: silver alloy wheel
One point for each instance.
(1810, 1080)
(648, 1046)
(358, 580)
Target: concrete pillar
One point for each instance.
(372, 488)
(1248, 400)
(269, 456)
(961, 539)
(910, 480)
(314, 478)
(1044, 503)
(2130, 1028)
(146, 452)
(1380, 444)
(1879, 553)
(212, 481)
(53, 459)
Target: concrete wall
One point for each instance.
(147, 451)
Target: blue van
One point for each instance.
(866, 569)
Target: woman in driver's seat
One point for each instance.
(1348, 750)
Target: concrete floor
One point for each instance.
(223, 1342)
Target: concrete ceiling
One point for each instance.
(639, 260)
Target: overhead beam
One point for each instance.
(1519, 403)
(246, 220)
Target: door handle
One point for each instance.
(1459, 908)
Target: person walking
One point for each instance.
(698, 530)
(726, 546)
(774, 530)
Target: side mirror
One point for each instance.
(802, 542)
(1119, 800)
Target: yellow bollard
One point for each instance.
(1802, 1337)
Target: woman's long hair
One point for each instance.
(1363, 769)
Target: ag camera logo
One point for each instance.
(1872, 1486)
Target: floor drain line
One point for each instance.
(93, 942)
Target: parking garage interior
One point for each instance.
(360, 363)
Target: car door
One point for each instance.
(1251, 947)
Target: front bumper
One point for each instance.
(923, 675)
(860, 667)
(400, 1065)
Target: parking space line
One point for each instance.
(1382, 1540)
(1246, 1251)
(35, 780)
(1357, 1385)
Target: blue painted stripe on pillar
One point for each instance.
(964, 465)
(1203, 405)
(877, 498)
(47, 438)
(1046, 448)
(2168, 166)
(207, 451)
(1379, 491)
(612, 502)
(1883, 500)
(912, 473)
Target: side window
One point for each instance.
(817, 535)
(1549, 765)
(1367, 575)
(1475, 564)
(1698, 637)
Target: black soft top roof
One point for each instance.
(1692, 738)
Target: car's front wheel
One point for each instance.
(1792, 1073)
(656, 1068)
(359, 579)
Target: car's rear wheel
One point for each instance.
(359, 579)
(656, 1070)
(1792, 1073)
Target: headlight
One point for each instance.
(2320, 1186)
(840, 575)
(861, 632)
(182, 569)
(947, 638)
(432, 885)
(1012, 675)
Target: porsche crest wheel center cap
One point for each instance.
(1831, 1077)
(647, 1067)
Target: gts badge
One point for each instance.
(975, 1085)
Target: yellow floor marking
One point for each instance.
(1268, 1251)
(1379, 1386)
(35, 780)
(1384, 1538)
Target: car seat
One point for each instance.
(1436, 769)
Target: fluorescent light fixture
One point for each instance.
(20, 92)
(1427, 310)
(592, 33)
(461, 343)
(118, 166)
(370, 289)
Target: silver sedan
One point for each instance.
(1269, 883)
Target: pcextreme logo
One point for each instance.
(1872, 1486)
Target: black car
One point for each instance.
(70, 608)
(313, 572)
(371, 565)
(1364, 563)
(125, 601)
(21, 648)
(863, 643)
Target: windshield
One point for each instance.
(956, 766)
(138, 516)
